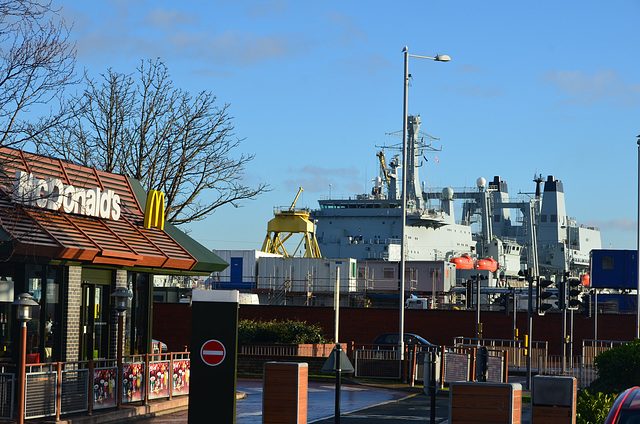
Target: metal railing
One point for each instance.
(592, 348)
(311, 349)
(59, 388)
(585, 373)
(517, 359)
(376, 363)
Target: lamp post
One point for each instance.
(23, 307)
(405, 117)
(121, 297)
(637, 253)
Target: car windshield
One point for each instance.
(629, 416)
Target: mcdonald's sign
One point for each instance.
(154, 211)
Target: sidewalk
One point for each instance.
(127, 414)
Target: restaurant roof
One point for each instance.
(37, 191)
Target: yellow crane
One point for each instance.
(284, 225)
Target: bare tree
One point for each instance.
(37, 62)
(163, 136)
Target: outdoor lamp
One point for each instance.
(121, 296)
(24, 303)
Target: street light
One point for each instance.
(405, 118)
(121, 297)
(637, 253)
(23, 314)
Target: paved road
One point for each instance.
(321, 402)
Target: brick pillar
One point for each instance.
(72, 316)
(284, 394)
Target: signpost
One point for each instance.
(337, 363)
(214, 355)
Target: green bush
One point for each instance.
(286, 332)
(618, 368)
(593, 408)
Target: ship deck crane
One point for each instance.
(284, 225)
(383, 166)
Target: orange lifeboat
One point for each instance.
(487, 263)
(463, 262)
(586, 280)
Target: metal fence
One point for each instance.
(55, 389)
(7, 392)
(376, 363)
(516, 350)
(592, 348)
(585, 373)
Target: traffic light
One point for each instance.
(575, 290)
(586, 304)
(468, 302)
(503, 303)
(542, 294)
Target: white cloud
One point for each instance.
(319, 179)
(477, 91)
(169, 19)
(583, 89)
(620, 224)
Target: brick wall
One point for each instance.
(172, 324)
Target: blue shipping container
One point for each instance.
(614, 269)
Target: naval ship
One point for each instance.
(530, 232)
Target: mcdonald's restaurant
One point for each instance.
(69, 237)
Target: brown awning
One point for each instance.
(34, 232)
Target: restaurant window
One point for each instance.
(137, 317)
(44, 335)
(7, 313)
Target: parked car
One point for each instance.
(626, 408)
(389, 340)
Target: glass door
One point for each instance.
(95, 327)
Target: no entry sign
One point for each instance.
(213, 353)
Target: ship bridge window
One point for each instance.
(496, 218)
(554, 218)
(543, 218)
(607, 264)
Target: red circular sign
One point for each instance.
(213, 353)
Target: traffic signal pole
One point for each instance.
(529, 329)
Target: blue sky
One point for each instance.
(540, 87)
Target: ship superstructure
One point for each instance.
(532, 231)
(369, 226)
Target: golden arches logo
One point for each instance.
(154, 211)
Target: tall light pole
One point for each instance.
(637, 253)
(121, 298)
(405, 118)
(23, 305)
